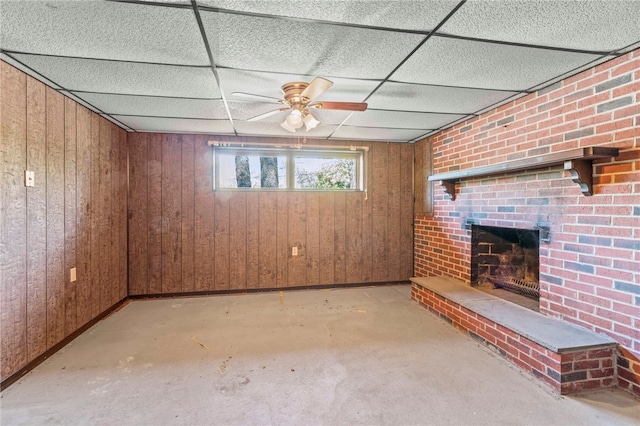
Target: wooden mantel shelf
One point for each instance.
(579, 162)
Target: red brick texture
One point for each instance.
(590, 268)
(566, 372)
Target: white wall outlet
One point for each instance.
(29, 178)
(294, 251)
(72, 275)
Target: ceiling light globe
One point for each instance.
(295, 119)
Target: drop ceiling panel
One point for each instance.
(406, 14)
(377, 134)
(408, 120)
(269, 84)
(273, 129)
(436, 99)
(601, 25)
(244, 110)
(277, 45)
(175, 125)
(125, 77)
(156, 106)
(104, 30)
(454, 62)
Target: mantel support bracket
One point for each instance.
(449, 189)
(581, 173)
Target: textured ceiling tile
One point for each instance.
(261, 128)
(395, 119)
(125, 78)
(156, 106)
(175, 125)
(277, 45)
(406, 14)
(437, 99)
(453, 62)
(104, 30)
(269, 84)
(601, 25)
(377, 134)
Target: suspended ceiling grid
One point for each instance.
(173, 66)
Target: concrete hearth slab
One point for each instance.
(552, 333)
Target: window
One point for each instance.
(296, 168)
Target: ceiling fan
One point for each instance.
(298, 97)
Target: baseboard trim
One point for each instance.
(263, 290)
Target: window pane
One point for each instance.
(249, 170)
(325, 173)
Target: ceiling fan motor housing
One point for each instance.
(292, 93)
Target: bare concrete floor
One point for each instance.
(346, 356)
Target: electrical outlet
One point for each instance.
(294, 251)
(72, 275)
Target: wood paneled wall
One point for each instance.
(184, 237)
(74, 216)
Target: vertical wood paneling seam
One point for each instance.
(26, 221)
(46, 231)
(147, 284)
(127, 193)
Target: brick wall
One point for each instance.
(590, 269)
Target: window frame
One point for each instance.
(290, 153)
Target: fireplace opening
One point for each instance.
(506, 263)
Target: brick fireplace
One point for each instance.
(589, 265)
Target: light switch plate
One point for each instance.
(29, 178)
(72, 274)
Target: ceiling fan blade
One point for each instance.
(256, 97)
(346, 106)
(267, 114)
(316, 88)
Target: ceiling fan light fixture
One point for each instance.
(288, 128)
(294, 119)
(310, 122)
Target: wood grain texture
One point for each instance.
(312, 246)
(83, 216)
(296, 237)
(13, 211)
(406, 212)
(267, 209)
(243, 239)
(36, 220)
(282, 238)
(70, 202)
(238, 241)
(104, 215)
(339, 238)
(188, 214)
(327, 236)
(122, 216)
(171, 208)
(222, 248)
(379, 195)
(253, 251)
(52, 224)
(55, 217)
(204, 216)
(138, 214)
(154, 224)
(95, 207)
(394, 211)
(353, 237)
